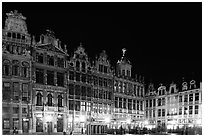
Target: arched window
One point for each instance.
(6, 67)
(50, 60)
(83, 66)
(49, 96)
(77, 65)
(59, 101)
(15, 68)
(192, 84)
(39, 99)
(25, 67)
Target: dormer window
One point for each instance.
(172, 90)
(184, 86)
(192, 84)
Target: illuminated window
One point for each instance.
(190, 97)
(180, 111)
(25, 93)
(16, 89)
(196, 96)
(196, 109)
(6, 124)
(83, 106)
(185, 98)
(190, 110)
(88, 106)
(124, 103)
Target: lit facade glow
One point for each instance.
(55, 92)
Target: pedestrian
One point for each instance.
(82, 131)
(14, 130)
(71, 133)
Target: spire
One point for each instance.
(124, 50)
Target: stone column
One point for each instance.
(20, 112)
(64, 120)
(34, 123)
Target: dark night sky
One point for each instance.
(163, 40)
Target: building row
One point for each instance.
(47, 90)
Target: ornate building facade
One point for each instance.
(16, 78)
(47, 91)
(176, 107)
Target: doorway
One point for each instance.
(49, 127)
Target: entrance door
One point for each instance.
(25, 126)
(59, 125)
(49, 127)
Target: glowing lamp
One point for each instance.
(48, 118)
(128, 121)
(107, 119)
(146, 122)
(82, 118)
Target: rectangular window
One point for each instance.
(39, 76)
(100, 82)
(60, 62)
(159, 102)
(150, 103)
(83, 91)
(190, 110)
(153, 113)
(50, 77)
(150, 113)
(16, 89)
(180, 99)
(71, 104)
(15, 110)
(130, 104)
(95, 80)
(196, 109)
(100, 108)
(163, 101)
(138, 105)
(124, 103)
(134, 104)
(50, 60)
(196, 96)
(163, 112)
(141, 105)
(71, 89)
(88, 104)
(6, 124)
(83, 106)
(39, 57)
(71, 75)
(25, 92)
(24, 110)
(77, 105)
(60, 79)
(105, 69)
(180, 111)
(83, 78)
(159, 112)
(154, 102)
(100, 68)
(147, 102)
(185, 110)
(146, 114)
(185, 98)
(105, 83)
(116, 102)
(77, 76)
(120, 102)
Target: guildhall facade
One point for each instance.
(47, 90)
